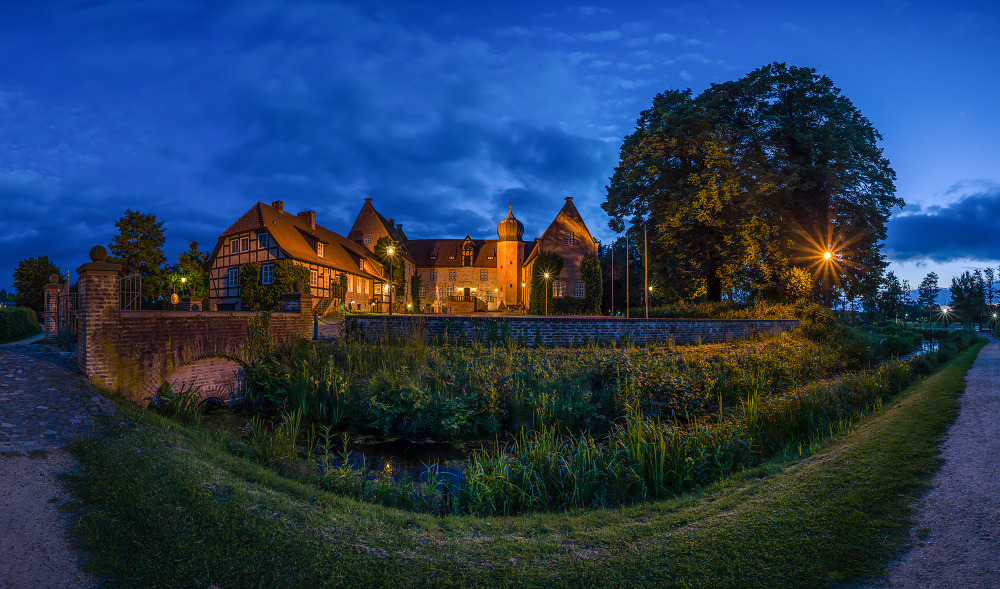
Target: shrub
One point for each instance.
(17, 321)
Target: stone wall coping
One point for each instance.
(556, 318)
(99, 268)
(170, 313)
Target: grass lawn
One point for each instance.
(164, 505)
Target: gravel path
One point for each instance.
(34, 551)
(956, 533)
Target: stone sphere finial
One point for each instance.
(53, 279)
(297, 287)
(98, 253)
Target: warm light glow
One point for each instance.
(183, 280)
(827, 255)
(390, 250)
(409, 305)
(651, 289)
(522, 284)
(546, 276)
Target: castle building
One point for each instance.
(465, 274)
(456, 275)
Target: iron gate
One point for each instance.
(66, 324)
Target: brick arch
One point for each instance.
(218, 377)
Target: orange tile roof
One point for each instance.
(297, 238)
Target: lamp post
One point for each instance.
(389, 252)
(524, 296)
(546, 294)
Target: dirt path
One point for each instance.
(34, 551)
(956, 534)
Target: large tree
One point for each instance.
(928, 293)
(30, 277)
(967, 296)
(753, 177)
(138, 247)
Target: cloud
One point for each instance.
(601, 36)
(664, 38)
(968, 228)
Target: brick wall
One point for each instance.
(562, 331)
(131, 353)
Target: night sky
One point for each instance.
(442, 112)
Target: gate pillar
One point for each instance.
(51, 308)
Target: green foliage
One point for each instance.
(270, 297)
(30, 277)
(590, 271)
(182, 403)
(257, 344)
(138, 247)
(968, 296)
(750, 178)
(415, 292)
(928, 291)
(541, 288)
(17, 321)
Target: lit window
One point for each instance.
(234, 277)
(557, 288)
(451, 275)
(313, 277)
(368, 240)
(578, 290)
(489, 296)
(434, 275)
(569, 238)
(245, 243)
(319, 249)
(437, 293)
(361, 264)
(267, 274)
(483, 274)
(423, 291)
(234, 245)
(262, 240)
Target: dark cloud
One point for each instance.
(968, 228)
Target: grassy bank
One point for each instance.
(165, 505)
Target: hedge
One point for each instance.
(17, 321)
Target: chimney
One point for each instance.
(309, 217)
(368, 201)
(278, 206)
(399, 227)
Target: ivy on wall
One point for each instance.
(269, 297)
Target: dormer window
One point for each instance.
(361, 264)
(319, 249)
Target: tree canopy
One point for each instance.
(30, 277)
(138, 247)
(751, 178)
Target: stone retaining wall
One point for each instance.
(561, 331)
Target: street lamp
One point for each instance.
(523, 297)
(389, 252)
(546, 294)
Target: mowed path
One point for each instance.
(44, 404)
(956, 532)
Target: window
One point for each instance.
(434, 275)
(578, 290)
(451, 275)
(245, 243)
(366, 287)
(484, 275)
(234, 245)
(267, 274)
(262, 241)
(557, 288)
(437, 293)
(319, 249)
(569, 238)
(234, 277)
(368, 240)
(423, 291)
(361, 264)
(313, 277)
(489, 296)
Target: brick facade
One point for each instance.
(131, 353)
(563, 331)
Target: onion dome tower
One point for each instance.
(510, 229)
(510, 256)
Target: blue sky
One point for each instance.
(442, 112)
